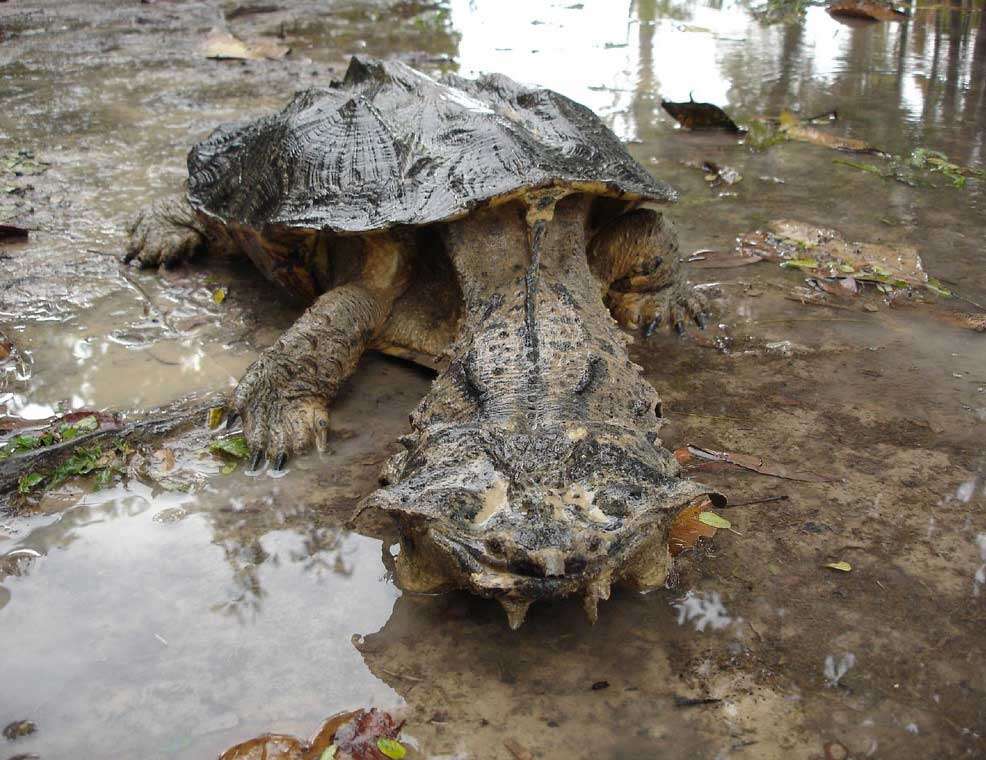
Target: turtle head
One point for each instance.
(516, 516)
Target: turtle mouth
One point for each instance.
(571, 524)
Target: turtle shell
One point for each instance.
(391, 146)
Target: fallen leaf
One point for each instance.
(518, 750)
(687, 529)
(706, 259)
(757, 464)
(692, 115)
(215, 417)
(844, 567)
(10, 232)
(224, 46)
(715, 521)
(219, 294)
(235, 446)
(358, 735)
(871, 10)
(391, 748)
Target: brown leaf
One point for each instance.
(266, 747)
(10, 232)
(354, 733)
(687, 529)
(757, 464)
(706, 259)
(518, 750)
(224, 46)
(692, 115)
(866, 9)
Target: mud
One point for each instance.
(153, 623)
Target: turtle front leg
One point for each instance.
(284, 396)
(636, 258)
(170, 232)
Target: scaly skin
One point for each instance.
(534, 468)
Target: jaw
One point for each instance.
(474, 515)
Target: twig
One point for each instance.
(153, 425)
(766, 500)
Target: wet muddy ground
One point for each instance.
(147, 622)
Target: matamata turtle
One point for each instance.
(491, 231)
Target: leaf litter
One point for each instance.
(695, 457)
(359, 735)
(224, 46)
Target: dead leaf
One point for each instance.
(518, 750)
(687, 529)
(224, 46)
(10, 232)
(354, 735)
(692, 115)
(757, 464)
(707, 259)
(866, 9)
(826, 254)
(842, 566)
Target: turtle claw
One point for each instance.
(256, 460)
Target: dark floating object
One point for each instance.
(9, 232)
(869, 10)
(692, 115)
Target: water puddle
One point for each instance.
(163, 624)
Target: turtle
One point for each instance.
(501, 235)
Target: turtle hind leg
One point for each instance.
(165, 234)
(636, 258)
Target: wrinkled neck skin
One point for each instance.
(533, 469)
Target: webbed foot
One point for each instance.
(165, 233)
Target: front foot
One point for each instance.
(282, 414)
(675, 307)
(165, 233)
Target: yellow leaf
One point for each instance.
(219, 294)
(215, 417)
(843, 566)
(711, 518)
(391, 748)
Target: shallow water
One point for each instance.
(156, 624)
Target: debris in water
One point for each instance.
(708, 259)
(869, 10)
(11, 232)
(714, 521)
(518, 750)
(214, 418)
(391, 748)
(834, 671)
(235, 446)
(842, 566)
(219, 294)
(224, 46)
(757, 464)
(359, 735)
(702, 610)
(824, 253)
(19, 729)
(766, 132)
(687, 529)
(22, 163)
(692, 115)
(600, 685)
